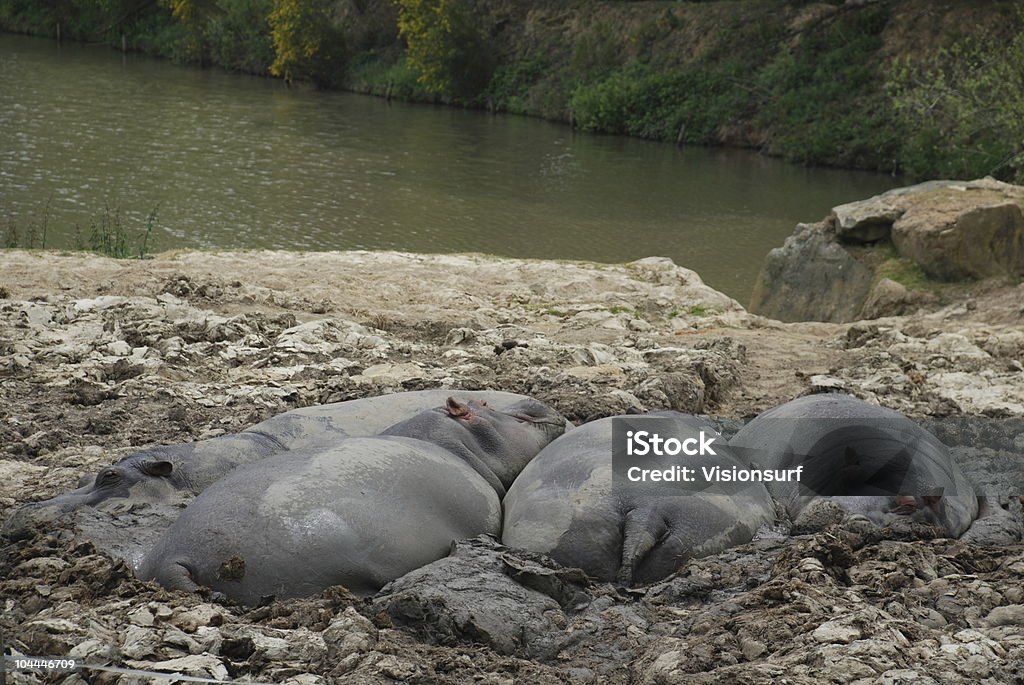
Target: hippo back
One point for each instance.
(852, 450)
(565, 504)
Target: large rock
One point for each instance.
(957, 243)
(951, 230)
(472, 596)
(811, 278)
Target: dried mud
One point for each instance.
(101, 357)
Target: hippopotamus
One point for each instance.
(871, 461)
(566, 504)
(162, 474)
(358, 513)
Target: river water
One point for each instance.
(235, 161)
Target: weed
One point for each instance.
(905, 272)
(108, 235)
(33, 235)
(381, 322)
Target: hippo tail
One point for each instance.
(642, 531)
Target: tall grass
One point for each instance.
(106, 233)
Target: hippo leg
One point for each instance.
(643, 530)
(175, 576)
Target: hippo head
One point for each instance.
(512, 436)
(885, 510)
(887, 473)
(497, 443)
(140, 477)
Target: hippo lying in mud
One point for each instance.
(564, 504)
(360, 512)
(871, 461)
(161, 473)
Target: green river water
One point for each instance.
(243, 162)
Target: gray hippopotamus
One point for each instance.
(358, 513)
(566, 504)
(159, 474)
(871, 461)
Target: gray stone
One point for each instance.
(977, 242)
(811, 278)
(835, 632)
(1011, 615)
(866, 221)
(889, 298)
(470, 597)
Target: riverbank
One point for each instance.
(851, 85)
(100, 356)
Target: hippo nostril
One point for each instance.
(905, 504)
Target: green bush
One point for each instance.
(511, 83)
(687, 103)
(306, 43)
(238, 35)
(963, 110)
(824, 101)
(446, 47)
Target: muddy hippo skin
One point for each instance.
(564, 505)
(359, 513)
(161, 474)
(877, 463)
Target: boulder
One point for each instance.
(889, 298)
(951, 230)
(811, 278)
(958, 243)
(867, 221)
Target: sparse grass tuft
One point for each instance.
(107, 234)
(908, 274)
(381, 322)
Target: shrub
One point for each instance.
(306, 43)
(963, 109)
(445, 46)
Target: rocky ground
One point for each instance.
(100, 357)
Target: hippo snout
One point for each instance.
(36, 514)
(27, 518)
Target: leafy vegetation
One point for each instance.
(814, 83)
(445, 46)
(305, 43)
(824, 101)
(963, 109)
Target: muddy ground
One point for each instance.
(100, 357)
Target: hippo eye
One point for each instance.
(107, 478)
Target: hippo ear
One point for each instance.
(456, 409)
(157, 468)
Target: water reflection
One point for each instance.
(243, 162)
